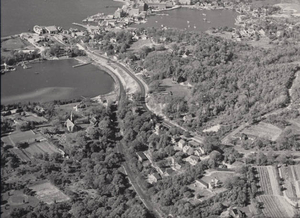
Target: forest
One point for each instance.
(232, 82)
(94, 160)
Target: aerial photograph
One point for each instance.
(150, 109)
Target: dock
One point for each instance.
(80, 65)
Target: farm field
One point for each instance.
(274, 182)
(275, 206)
(20, 154)
(291, 183)
(296, 169)
(175, 88)
(264, 181)
(48, 193)
(263, 130)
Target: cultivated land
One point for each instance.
(275, 206)
(48, 193)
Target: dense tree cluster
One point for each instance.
(232, 81)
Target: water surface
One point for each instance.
(19, 16)
(54, 80)
(192, 19)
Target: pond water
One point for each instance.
(192, 19)
(54, 80)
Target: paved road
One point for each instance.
(132, 177)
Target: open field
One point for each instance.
(42, 147)
(263, 130)
(48, 193)
(27, 136)
(275, 206)
(220, 175)
(141, 43)
(175, 88)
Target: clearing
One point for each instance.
(48, 193)
(176, 88)
(263, 130)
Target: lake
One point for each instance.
(19, 16)
(54, 80)
(192, 19)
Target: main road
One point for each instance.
(132, 177)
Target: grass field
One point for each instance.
(48, 193)
(175, 88)
(222, 176)
(274, 180)
(275, 207)
(263, 130)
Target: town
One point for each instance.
(199, 124)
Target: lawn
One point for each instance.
(141, 43)
(175, 88)
(48, 193)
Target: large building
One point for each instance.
(51, 29)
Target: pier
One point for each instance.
(80, 65)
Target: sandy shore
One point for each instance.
(41, 95)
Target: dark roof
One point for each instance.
(202, 182)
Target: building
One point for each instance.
(141, 156)
(153, 178)
(198, 151)
(192, 159)
(51, 29)
(181, 143)
(194, 144)
(186, 148)
(215, 183)
(201, 183)
(169, 172)
(70, 125)
(37, 29)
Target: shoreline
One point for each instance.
(50, 94)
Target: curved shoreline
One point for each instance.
(48, 94)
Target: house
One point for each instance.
(70, 125)
(175, 139)
(201, 183)
(199, 151)
(185, 148)
(51, 29)
(153, 178)
(192, 159)
(181, 143)
(141, 156)
(169, 4)
(174, 165)
(94, 121)
(215, 183)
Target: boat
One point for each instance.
(188, 21)
(195, 27)
(156, 21)
(204, 14)
(208, 21)
(36, 72)
(189, 26)
(204, 19)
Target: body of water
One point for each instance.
(19, 16)
(192, 19)
(54, 80)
